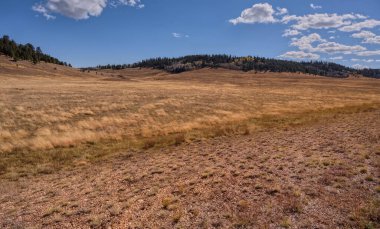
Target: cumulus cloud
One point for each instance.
(364, 60)
(334, 47)
(135, 3)
(129, 2)
(311, 45)
(281, 11)
(367, 36)
(258, 13)
(315, 6)
(299, 55)
(363, 34)
(264, 13)
(291, 32)
(305, 43)
(319, 21)
(336, 58)
(369, 53)
(42, 10)
(74, 8)
(78, 9)
(370, 23)
(361, 16)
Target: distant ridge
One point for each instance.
(28, 52)
(17, 52)
(249, 63)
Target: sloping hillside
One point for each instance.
(248, 63)
(27, 51)
(8, 67)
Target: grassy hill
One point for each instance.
(28, 52)
(249, 63)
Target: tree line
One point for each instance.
(26, 52)
(187, 63)
(249, 63)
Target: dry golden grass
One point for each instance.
(43, 108)
(323, 173)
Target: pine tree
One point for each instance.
(25, 52)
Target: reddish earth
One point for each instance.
(321, 175)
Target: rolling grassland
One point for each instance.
(211, 148)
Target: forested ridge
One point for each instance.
(249, 63)
(28, 52)
(192, 62)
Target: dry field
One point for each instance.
(213, 148)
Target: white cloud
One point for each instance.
(364, 60)
(176, 35)
(369, 53)
(258, 13)
(361, 16)
(79, 9)
(299, 55)
(368, 37)
(291, 32)
(179, 35)
(305, 43)
(129, 2)
(74, 8)
(133, 3)
(336, 58)
(334, 47)
(315, 6)
(363, 34)
(281, 11)
(319, 21)
(359, 66)
(370, 23)
(313, 43)
(372, 40)
(264, 13)
(42, 10)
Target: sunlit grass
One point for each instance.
(47, 123)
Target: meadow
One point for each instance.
(143, 108)
(141, 148)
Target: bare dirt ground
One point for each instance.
(323, 175)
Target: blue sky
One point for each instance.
(92, 32)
